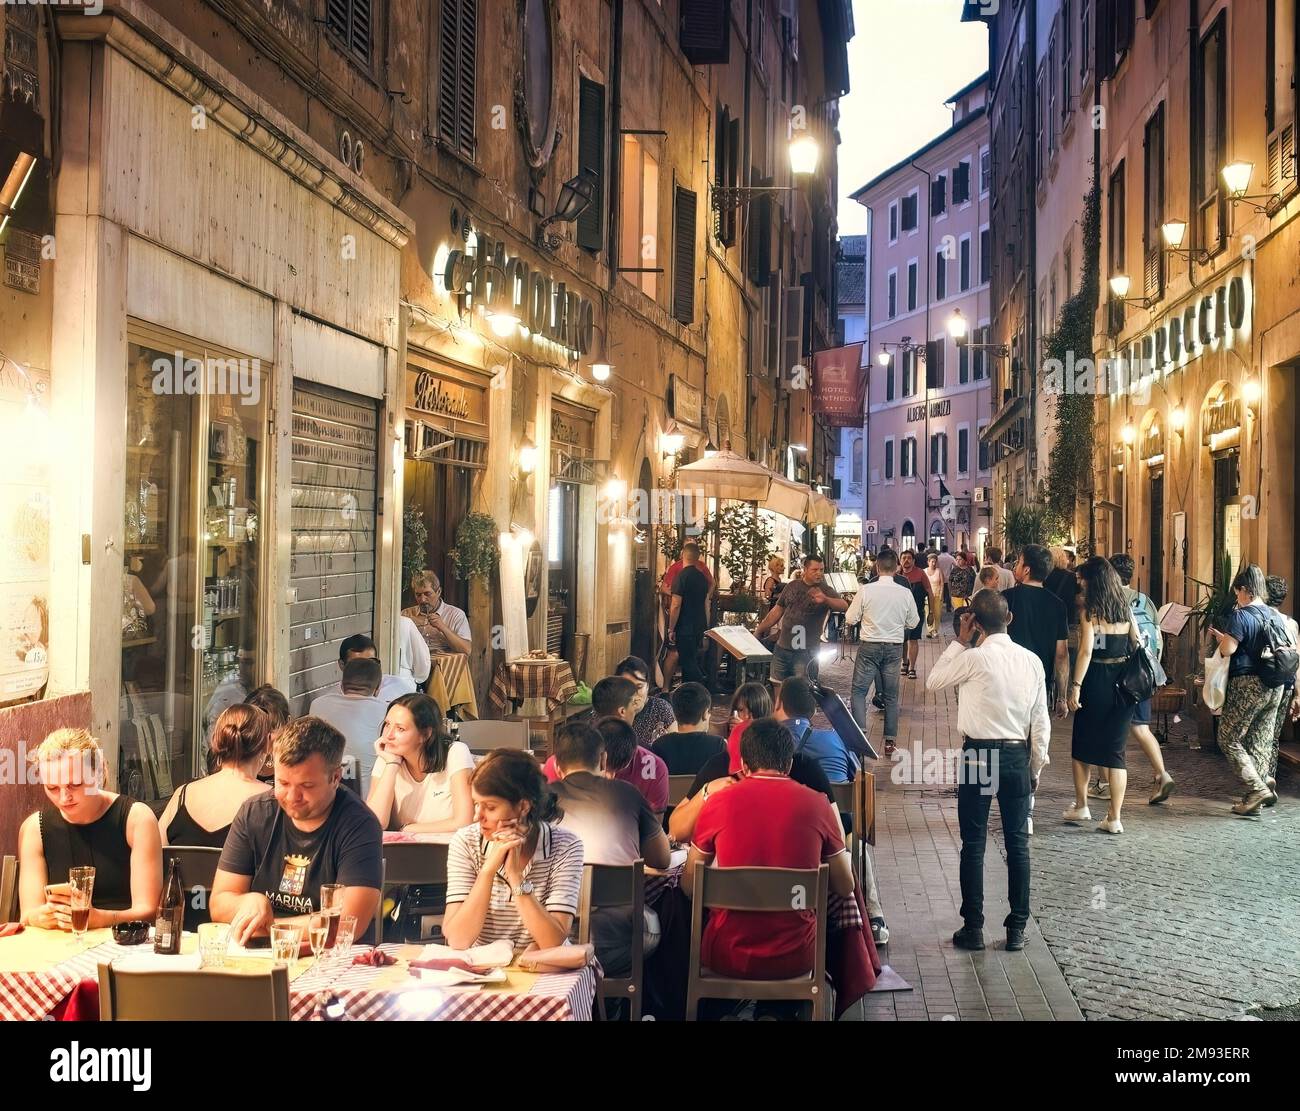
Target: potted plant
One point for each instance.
(743, 539)
(415, 543)
(476, 553)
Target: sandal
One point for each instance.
(911, 673)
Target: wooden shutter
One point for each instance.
(934, 364)
(684, 205)
(704, 31)
(792, 329)
(457, 53)
(591, 160)
(760, 236)
(938, 195)
(733, 176)
(349, 22)
(961, 183)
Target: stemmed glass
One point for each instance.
(343, 940)
(318, 928)
(82, 882)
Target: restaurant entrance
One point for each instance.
(1227, 511)
(1156, 552)
(572, 467)
(644, 595)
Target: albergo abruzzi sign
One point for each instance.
(509, 284)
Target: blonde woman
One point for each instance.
(83, 824)
(773, 583)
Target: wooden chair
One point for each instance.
(678, 786)
(764, 890)
(409, 862)
(603, 886)
(484, 736)
(9, 889)
(541, 730)
(194, 996)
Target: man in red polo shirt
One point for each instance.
(766, 820)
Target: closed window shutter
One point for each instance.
(466, 78)
(457, 53)
(684, 255)
(591, 159)
(733, 175)
(934, 364)
(349, 22)
(961, 183)
(760, 236)
(940, 277)
(938, 192)
(705, 31)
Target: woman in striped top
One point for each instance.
(514, 875)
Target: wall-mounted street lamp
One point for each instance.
(576, 195)
(1251, 392)
(960, 331)
(1178, 420)
(1128, 434)
(12, 185)
(1173, 232)
(804, 155)
(1119, 287)
(527, 457)
(1236, 179)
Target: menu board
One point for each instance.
(24, 532)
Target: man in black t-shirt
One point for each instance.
(286, 843)
(688, 618)
(1039, 620)
(691, 745)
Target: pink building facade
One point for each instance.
(927, 479)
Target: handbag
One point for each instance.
(1215, 689)
(1136, 681)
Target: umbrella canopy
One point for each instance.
(824, 511)
(790, 499)
(727, 477)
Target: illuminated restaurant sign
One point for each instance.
(486, 275)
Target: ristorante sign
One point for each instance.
(487, 275)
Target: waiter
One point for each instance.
(1002, 715)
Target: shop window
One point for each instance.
(639, 217)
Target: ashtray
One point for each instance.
(131, 933)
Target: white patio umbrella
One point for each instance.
(727, 477)
(824, 511)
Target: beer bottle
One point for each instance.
(171, 913)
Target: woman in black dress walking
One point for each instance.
(1107, 635)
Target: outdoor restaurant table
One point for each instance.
(450, 683)
(518, 680)
(40, 969)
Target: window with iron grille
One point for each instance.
(457, 59)
(349, 24)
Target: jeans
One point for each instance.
(688, 653)
(1007, 775)
(790, 662)
(877, 665)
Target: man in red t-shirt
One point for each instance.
(766, 820)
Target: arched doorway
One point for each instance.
(938, 536)
(1221, 443)
(1151, 498)
(907, 537)
(643, 583)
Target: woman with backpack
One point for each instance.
(1249, 638)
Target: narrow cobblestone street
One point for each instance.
(1191, 913)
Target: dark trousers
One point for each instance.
(688, 652)
(989, 768)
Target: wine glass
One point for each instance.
(343, 939)
(331, 903)
(318, 928)
(284, 943)
(82, 882)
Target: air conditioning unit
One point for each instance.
(982, 495)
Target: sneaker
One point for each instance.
(1250, 804)
(878, 701)
(879, 931)
(1015, 939)
(1271, 784)
(1077, 814)
(1107, 826)
(890, 746)
(911, 673)
(968, 937)
(1099, 790)
(1163, 788)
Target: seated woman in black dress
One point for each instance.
(201, 812)
(1108, 634)
(83, 824)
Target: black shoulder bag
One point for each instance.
(1137, 677)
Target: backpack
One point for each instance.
(1142, 607)
(1278, 658)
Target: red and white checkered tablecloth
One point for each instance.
(549, 679)
(367, 994)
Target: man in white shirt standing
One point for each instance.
(886, 610)
(1006, 577)
(1002, 715)
(358, 714)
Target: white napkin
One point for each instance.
(458, 977)
(498, 954)
(149, 961)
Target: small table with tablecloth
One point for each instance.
(518, 680)
(42, 973)
(451, 685)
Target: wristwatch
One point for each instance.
(525, 888)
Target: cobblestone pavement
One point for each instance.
(1191, 913)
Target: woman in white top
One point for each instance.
(420, 781)
(935, 575)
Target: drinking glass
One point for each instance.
(284, 943)
(82, 882)
(347, 932)
(214, 940)
(318, 928)
(331, 903)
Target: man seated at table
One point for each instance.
(306, 832)
(795, 706)
(445, 628)
(413, 659)
(766, 820)
(360, 647)
(616, 826)
(357, 713)
(652, 716)
(612, 701)
(692, 745)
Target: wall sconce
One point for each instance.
(1251, 392)
(1128, 434)
(804, 153)
(1173, 232)
(960, 332)
(575, 196)
(1178, 420)
(671, 443)
(884, 357)
(527, 457)
(1236, 179)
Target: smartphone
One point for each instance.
(261, 942)
(64, 889)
